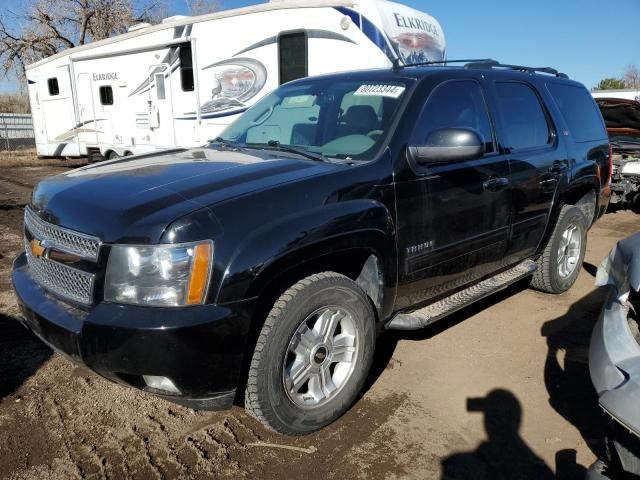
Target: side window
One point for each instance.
(54, 89)
(186, 68)
(523, 119)
(453, 105)
(579, 111)
(292, 56)
(106, 95)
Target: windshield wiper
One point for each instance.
(226, 143)
(276, 145)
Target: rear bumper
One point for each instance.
(200, 348)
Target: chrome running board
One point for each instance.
(435, 311)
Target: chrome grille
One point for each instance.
(62, 280)
(62, 239)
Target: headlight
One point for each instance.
(631, 168)
(160, 275)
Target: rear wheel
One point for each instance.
(561, 261)
(113, 155)
(94, 156)
(313, 355)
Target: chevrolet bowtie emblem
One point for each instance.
(36, 248)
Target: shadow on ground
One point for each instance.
(388, 340)
(504, 455)
(21, 355)
(566, 372)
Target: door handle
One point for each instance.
(496, 184)
(558, 168)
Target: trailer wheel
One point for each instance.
(95, 157)
(113, 155)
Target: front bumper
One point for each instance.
(614, 364)
(199, 348)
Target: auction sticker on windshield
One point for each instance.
(392, 91)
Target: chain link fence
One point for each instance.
(16, 131)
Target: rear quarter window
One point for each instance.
(524, 122)
(579, 111)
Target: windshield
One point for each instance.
(343, 119)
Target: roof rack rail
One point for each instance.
(397, 65)
(521, 68)
(484, 63)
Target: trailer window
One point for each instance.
(186, 68)
(292, 56)
(160, 93)
(54, 89)
(106, 95)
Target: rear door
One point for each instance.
(537, 161)
(453, 217)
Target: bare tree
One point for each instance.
(200, 7)
(631, 77)
(46, 27)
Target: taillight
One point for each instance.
(610, 164)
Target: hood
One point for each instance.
(134, 199)
(620, 114)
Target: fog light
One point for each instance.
(161, 383)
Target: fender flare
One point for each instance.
(266, 252)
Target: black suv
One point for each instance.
(267, 262)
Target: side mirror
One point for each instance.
(449, 145)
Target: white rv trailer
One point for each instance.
(181, 82)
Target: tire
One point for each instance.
(113, 155)
(95, 157)
(558, 270)
(325, 302)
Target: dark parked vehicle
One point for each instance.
(622, 118)
(268, 261)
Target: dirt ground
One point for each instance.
(501, 385)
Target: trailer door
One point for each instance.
(57, 106)
(87, 126)
(160, 106)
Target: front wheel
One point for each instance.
(313, 355)
(561, 260)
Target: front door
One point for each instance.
(160, 106)
(453, 217)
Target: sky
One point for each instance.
(587, 39)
